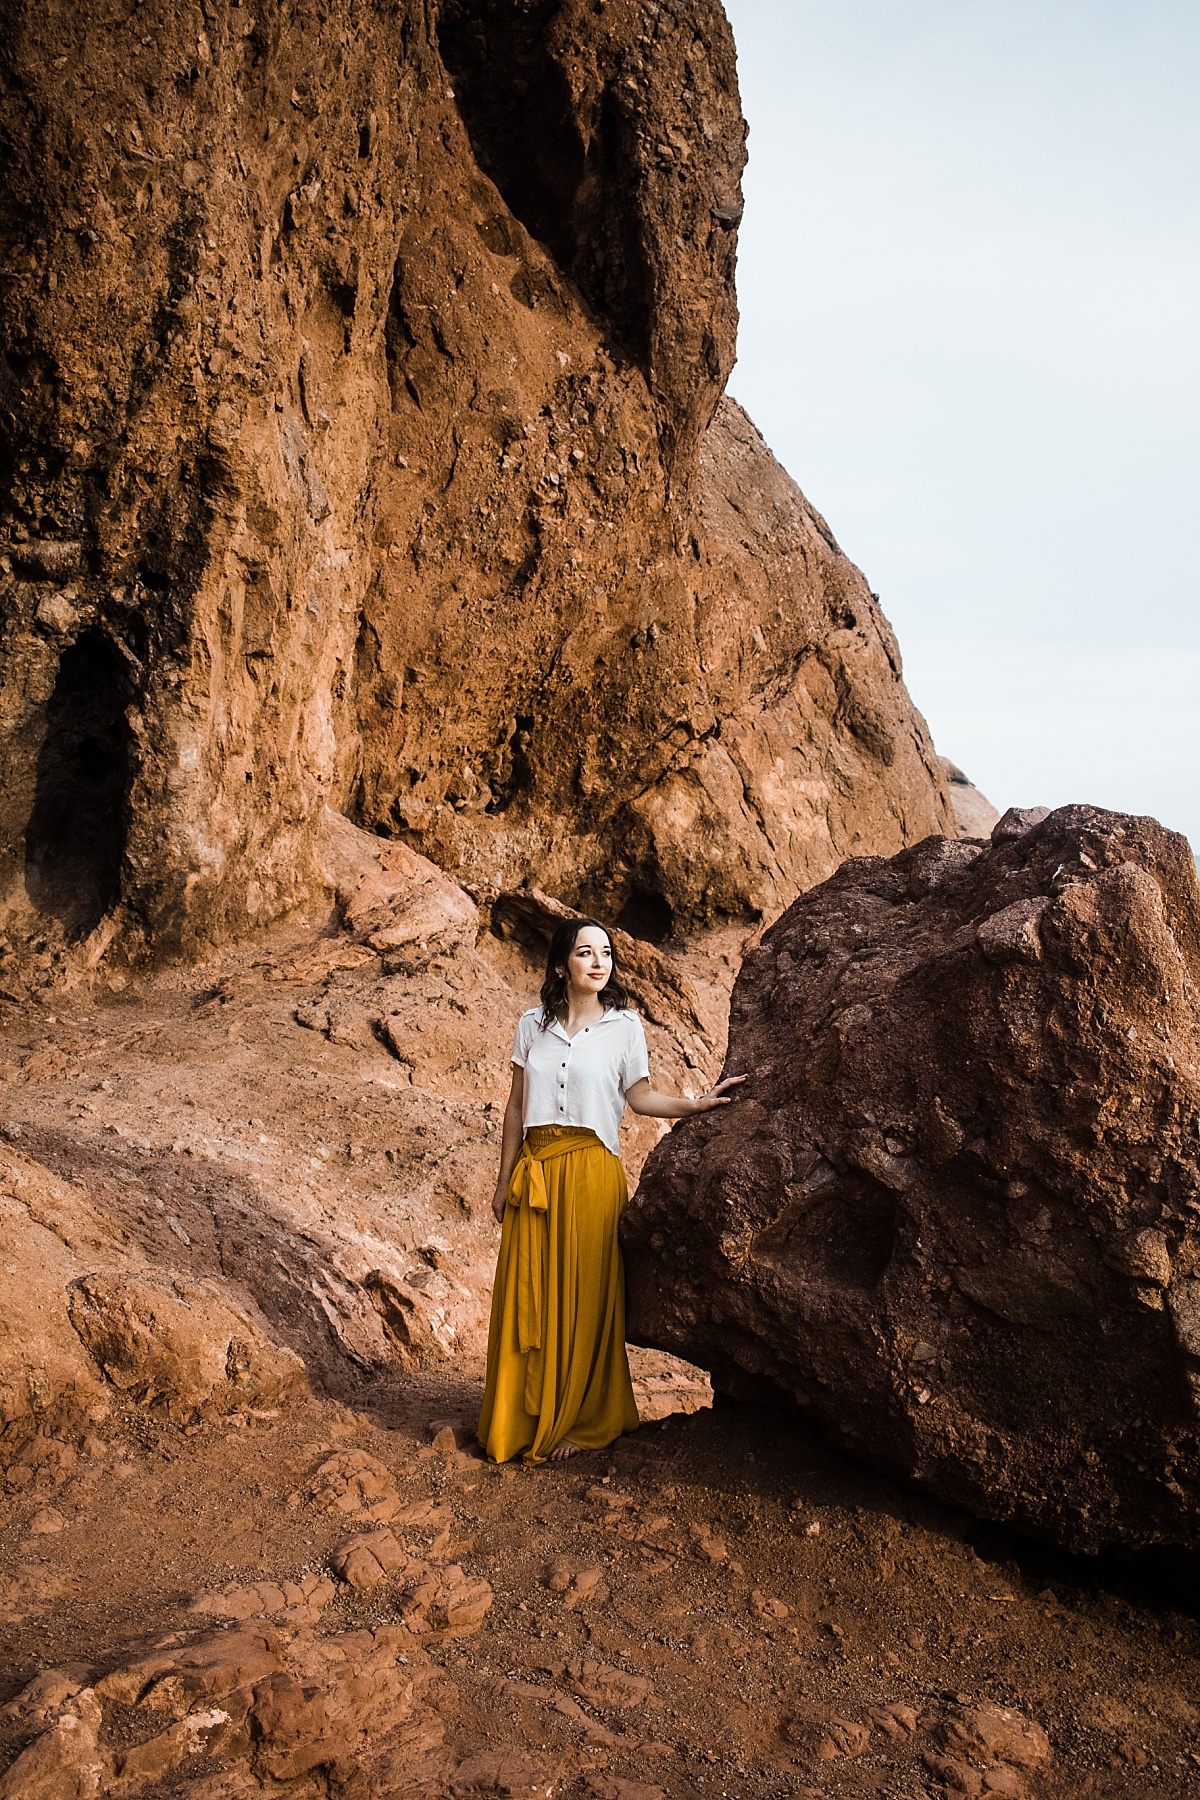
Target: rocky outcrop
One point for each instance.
(258, 1706)
(295, 1159)
(973, 812)
(957, 1215)
(46, 1229)
(181, 1343)
(84, 1315)
(364, 446)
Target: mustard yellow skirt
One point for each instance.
(556, 1364)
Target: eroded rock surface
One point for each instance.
(264, 1707)
(181, 1342)
(957, 1214)
(365, 446)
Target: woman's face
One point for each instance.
(590, 962)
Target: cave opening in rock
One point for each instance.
(75, 837)
(647, 915)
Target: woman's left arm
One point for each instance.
(650, 1104)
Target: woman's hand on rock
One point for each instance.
(716, 1096)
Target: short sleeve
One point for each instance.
(636, 1066)
(521, 1041)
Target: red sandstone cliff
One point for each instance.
(363, 443)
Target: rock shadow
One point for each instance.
(75, 837)
(746, 1454)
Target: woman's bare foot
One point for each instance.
(562, 1451)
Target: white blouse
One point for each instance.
(581, 1080)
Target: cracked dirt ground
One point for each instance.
(720, 1605)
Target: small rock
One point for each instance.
(57, 613)
(998, 1733)
(356, 1484)
(461, 1604)
(709, 1548)
(957, 1777)
(602, 1685)
(765, 1608)
(368, 1559)
(50, 560)
(606, 1496)
(558, 1577)
(1012, 935)
(1143, 1256)
(46, 1521)
(588, 1584)
(946, 1136)
(843, 1737)
(450, 1437)
(1017, 821)
(897, 1722)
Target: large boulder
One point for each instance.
(956, 1216)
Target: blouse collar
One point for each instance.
(610, 1012)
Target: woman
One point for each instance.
(557, 1373)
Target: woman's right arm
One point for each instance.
(510, 1143)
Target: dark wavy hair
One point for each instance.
(613, 994)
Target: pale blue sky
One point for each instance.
(970, 291)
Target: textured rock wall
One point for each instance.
(363, 443)
(957, 1216)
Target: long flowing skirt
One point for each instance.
(557, 1366)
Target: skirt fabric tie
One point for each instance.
(557, 1366)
